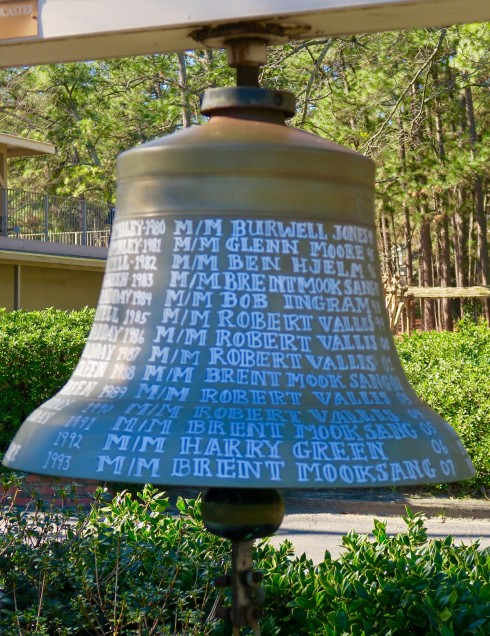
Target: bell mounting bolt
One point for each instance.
(246, 44)
(247, 55)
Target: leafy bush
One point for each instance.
(39, 351)
(129, 567)
(451, 372)
(402, 584)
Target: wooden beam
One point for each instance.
(447, 292)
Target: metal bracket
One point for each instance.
(246, 44)
(247, 592)
(270, 32)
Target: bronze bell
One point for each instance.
(241, 337)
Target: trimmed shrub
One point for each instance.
(451, 372)
(128, 567)
(39, 350)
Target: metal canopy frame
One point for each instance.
(71, 30)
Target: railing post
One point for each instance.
(4, 211)
(46, 217)
(84, 222)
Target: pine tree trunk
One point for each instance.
(425, 272)
(184, 92)
(410, 309)
(425, 259)
(445, 322)
(471, 264)
(445, 272)
(460, 232)
(459, 223)
(407, 228)
(482, 264)
(387, 268)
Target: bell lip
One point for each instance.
(466, 471)
(215, 99)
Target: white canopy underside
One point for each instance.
(70, 30)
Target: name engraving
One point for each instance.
(246, 351)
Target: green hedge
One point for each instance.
(450, 371)
(130, 568)
(38, 352)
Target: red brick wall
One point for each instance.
(52, 490)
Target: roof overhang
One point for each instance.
(49, 254)
(22, 147)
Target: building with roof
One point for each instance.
(52, 249)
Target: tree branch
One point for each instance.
(427, 63)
